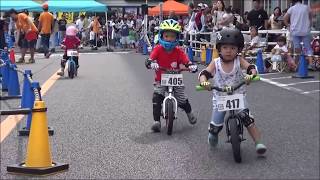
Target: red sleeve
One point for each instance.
(183, 57)
(155, 52)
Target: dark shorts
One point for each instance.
(23, 43)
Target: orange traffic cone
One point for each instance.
(38, 160)
(12, 56)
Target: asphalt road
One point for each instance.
(102, 123)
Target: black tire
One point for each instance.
(235, 139)
(71, 70)
(170, 116)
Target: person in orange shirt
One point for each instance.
(95, 28)
(27, 34)
(45, 27)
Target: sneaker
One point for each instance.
(156, 126)
(20, 60)
(192, 118)
(261, 148)
(61, 73)
(213, 139)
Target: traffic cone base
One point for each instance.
(25, 132)
(302, 69)
(23, 169)
(38, 157)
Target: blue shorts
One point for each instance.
(296, 40)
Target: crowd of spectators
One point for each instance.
(126, 30)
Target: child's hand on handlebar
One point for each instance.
(154, 66)
(193, 68)
(206, 85)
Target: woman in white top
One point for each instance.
(217, 15)
(227, 18)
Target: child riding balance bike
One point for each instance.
(227, 71)
(166, 55)
(70, 42)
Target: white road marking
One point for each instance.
(287, 86)
(285, 77)
(304, 82)
(310, 92)
(281, 85)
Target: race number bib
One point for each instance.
(72, 52)
(172, 80)
(230, 102)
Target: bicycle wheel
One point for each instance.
(170, 116)
(71, 69)
(235, 139)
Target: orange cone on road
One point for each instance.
(38, 158)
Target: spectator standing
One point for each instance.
(258, 16)
(125, 34)
(46, 23)
(217, 16)
(3, 43)
(96, 28)
(27, 34)
(62, 27)
(54, 35)
(276, 19)
(227, 18)
(300, 26)
(80, 26)
(198, 17)
(191, 27)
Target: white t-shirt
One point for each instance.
(299, 19)
(79, 24)
(283, 48)
(255, 40)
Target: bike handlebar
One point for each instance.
(173, 70)
(229, 88)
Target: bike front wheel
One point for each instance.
(235, 139)
(170, 116)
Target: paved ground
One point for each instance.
(102, 125)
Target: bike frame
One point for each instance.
(170, 97)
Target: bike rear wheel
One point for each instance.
(170, 116)
(235, 139)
